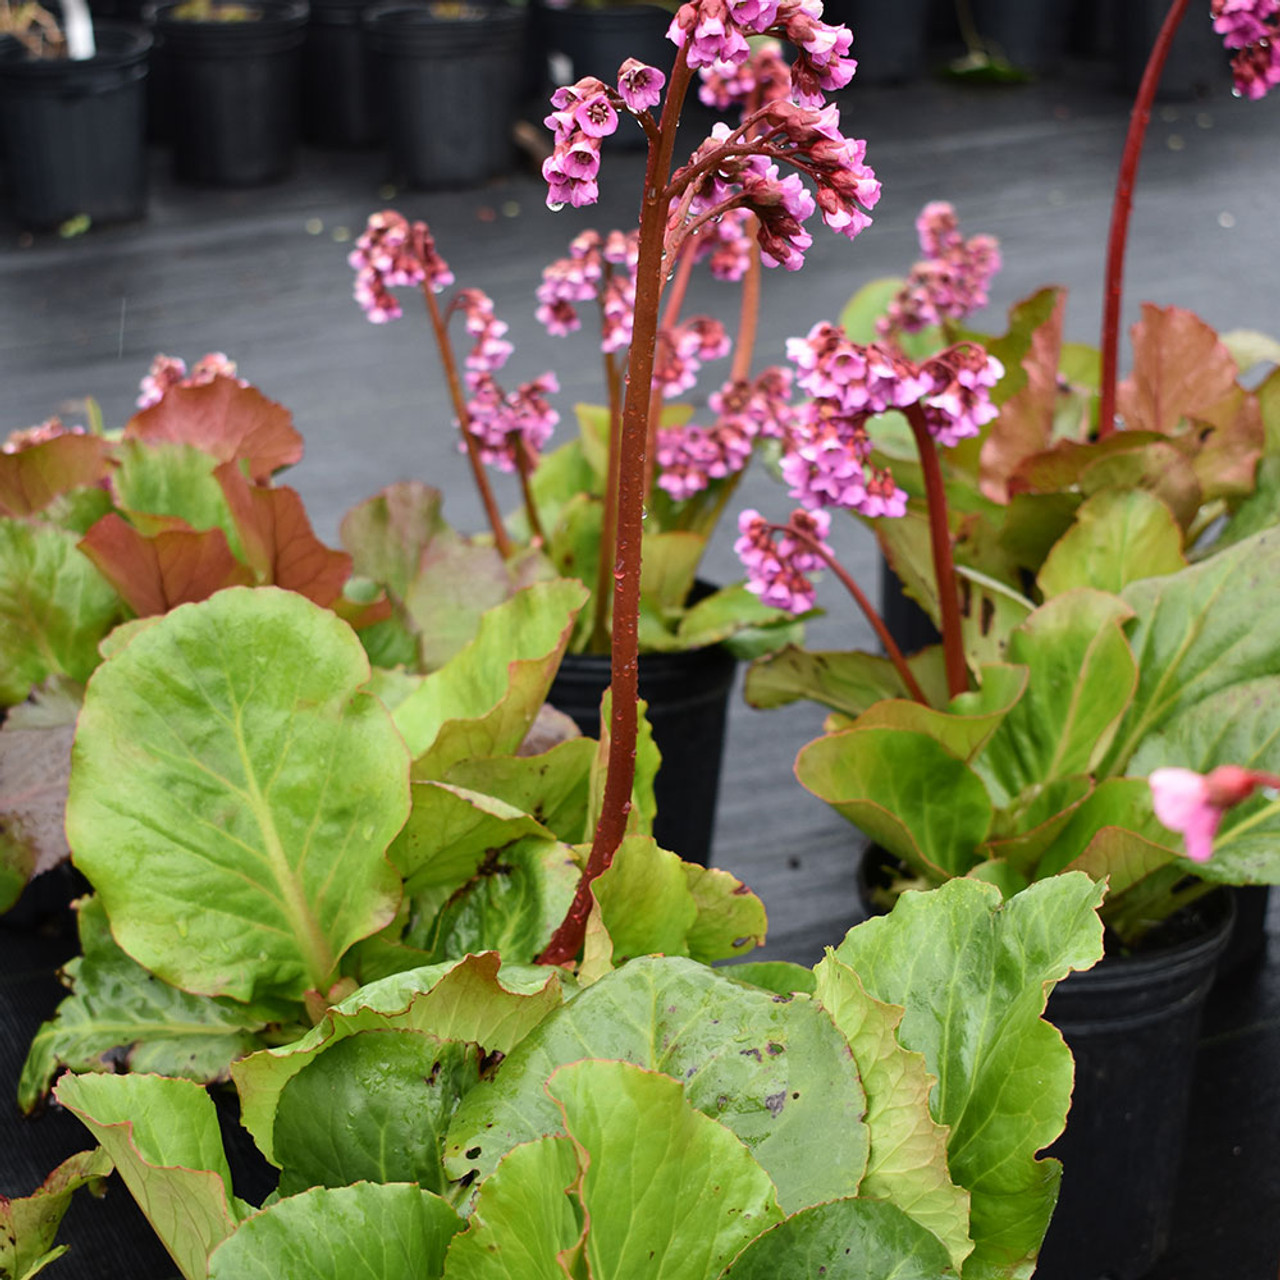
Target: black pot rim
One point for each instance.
(119, 45)
(278, 17)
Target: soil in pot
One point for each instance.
(73, 132)
(231, 74)
(688, 697)
(447, 79)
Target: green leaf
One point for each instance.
(645, 902)
(906, 791)
(1198, 631)
(374, 1108)
(779, 976)
(1023, 832)
(1081, 678)
(1259, 511)
(1119, 536)
(245, 853)
(29, 1224)
(365, 1232)
(164, 1138)
(483, 700)
(727, 612)
(844, 1240)
(467, 1000)
(1123, 803)
(973, 974)
(869, 304)
(774, 1070)
(573, 546)
(523, 1217)
(665, 1189)
(36, 476)
(388, 533)
(1249, 347)
(644, 807)
(845, 681)
(908, 1164)
(669, 564)
(55, 608)
(118, 1016)
(731, 919)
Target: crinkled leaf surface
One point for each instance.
(846, 681)
(774, 1070)
(244, 853)
(120, 1016)
(973, 974)
(908, 1164)
(465, 1000)
(29, 1224)
(1119, 536)
(906, 791)
(665, 1189)
(483, 700)
(55, 607)
(164, 1138)
(368, 1231)
(844, 1240)
(1212, 625)
(32, 478)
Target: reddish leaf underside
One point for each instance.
(32, 478)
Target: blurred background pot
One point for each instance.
(336, 107)
(889, 40)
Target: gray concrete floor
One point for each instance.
(262, 276)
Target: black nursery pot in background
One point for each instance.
(447, 80)
(73, 132)
(336, 108)
(1031, 34)
(232, 90)
(889, 40)
(688, 697)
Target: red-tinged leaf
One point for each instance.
(358, 615)
(1025, 424)
(1180, 370)
(31, 478)
(388, 533)
(1061, 466)
(278, 540)
(156, 574)
(224, 419)
(1231, 439)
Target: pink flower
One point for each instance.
(1252, 29)
(29, 437)
(394, 253)
(640, 86)
(171, 371)
(778, 568)
(1194, 804)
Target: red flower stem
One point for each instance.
(609, 516)
(1121, 208)
(500, 538)
(850, 585)
(944, 569)
(749, 311)
(566, 942)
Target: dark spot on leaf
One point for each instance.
(775, 1102)
(751, 1053)
(671, 1008)
(433, 1076)
(490, 1062)
(721, 1102)
(966, 597)
(740, 942)
(776, 1048)
(468, 1178)
(781, 999)
(473, 1153)
(988, 615)
(741, 889)
(796, 1094)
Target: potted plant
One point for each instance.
(72, 116)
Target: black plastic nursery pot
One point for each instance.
(1030, 34)
(1197, 63)
(1132, 1023)
(889, 40)
(232, 90)
(447, 82)
(73, 133)
(688, 696)
(911, 628)
(336, 106)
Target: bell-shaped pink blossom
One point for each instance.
(1194, 804)
(640, 86)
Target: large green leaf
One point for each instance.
(666, 1190)
(844, 1240)
(1119, 536)
(1081, 677)
(774, 1070)
(483, 700)
(1123, 803)
(55, 607)
(120, 1016)
(973, 974)
(845, 681)
(1198, 631)
(233, 794)
(29, 1224)
(164, 1138)
(910, 794)
(523, 1217)
(908, 1164)
(366, 1232)
(466, 1000)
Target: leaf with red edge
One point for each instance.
(1180, 370)
(224, 419)
(1230, 438)
(156, 574)
(31, 478)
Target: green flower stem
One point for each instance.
(1121, 207)
(944, 569)
(650, 270)
(500, 538)
(524, 469)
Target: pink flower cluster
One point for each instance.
(682, 350)
(827, 451)
(1252, 29)
(1194, 804)
(764, 77)
(171, 371)
(690, 457)
(952, 279)
(28, 437)
(725, 244)
(582, 116)
(778, 567)
(597, 268)
(394, 253)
